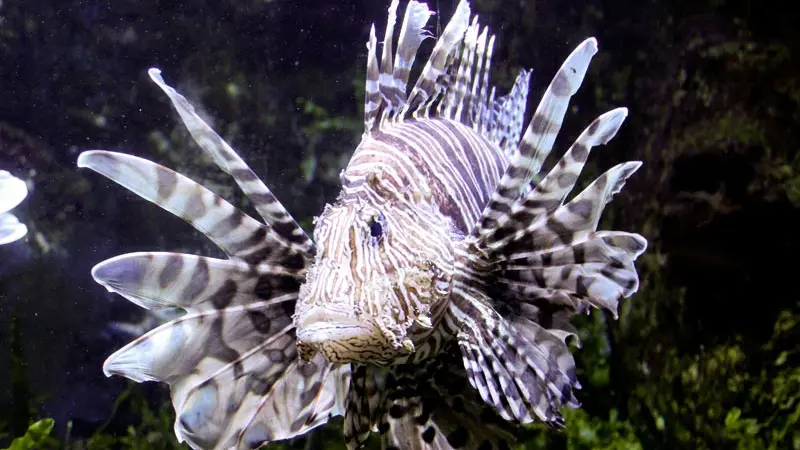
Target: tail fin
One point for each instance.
(231, 359)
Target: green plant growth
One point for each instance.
(38, 437)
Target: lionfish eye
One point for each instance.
(376, 225)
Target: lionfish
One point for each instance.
(433, 304)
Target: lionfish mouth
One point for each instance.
(339, 337)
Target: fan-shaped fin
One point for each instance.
(552, 190)
(164, 280)
(205, 341)
(597, 272)
(236, 233)
(432, 406)
(572, 223)
(245, 411)
(524, 375)
(231, 361)
(569, 256)
(365, 397)
(537, 141)
(278, 220)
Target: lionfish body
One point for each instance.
(433, 304)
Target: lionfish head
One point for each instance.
(380, 280)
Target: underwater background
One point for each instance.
(704, 356)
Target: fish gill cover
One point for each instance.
(433, 305)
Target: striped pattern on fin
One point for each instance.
(537, 141)
(453, 83)
(547, 262)
(453, 104)
(233, 231)
(412, 34)
(156, 280)
(387, 82)
(596, 272)
(235, 412)
(525, 374)
(276, 217)
(432, 406)
(552, 190)
(364, 398)
(372, 94)
(231, 360)
(503, 123)
(562, 252)
(428, 85)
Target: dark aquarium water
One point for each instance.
(702, 355)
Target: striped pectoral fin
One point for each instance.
(567, 225)
(363, 402)
(553, 189)
(266, 398)
(550, 193)
(306, 396)
(208, 398)
(155, 280)
(525, 374)
(598, 272)
(538, 139)
(271, 210)
(235, 378)
(430, 406)
(205, 340)
(236, 233)
(231, 323)
(563, 254)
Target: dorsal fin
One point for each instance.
(412, 34)
(386, 82)
(372, 94)
(453, 83)
(428, 86)
(462, 87)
